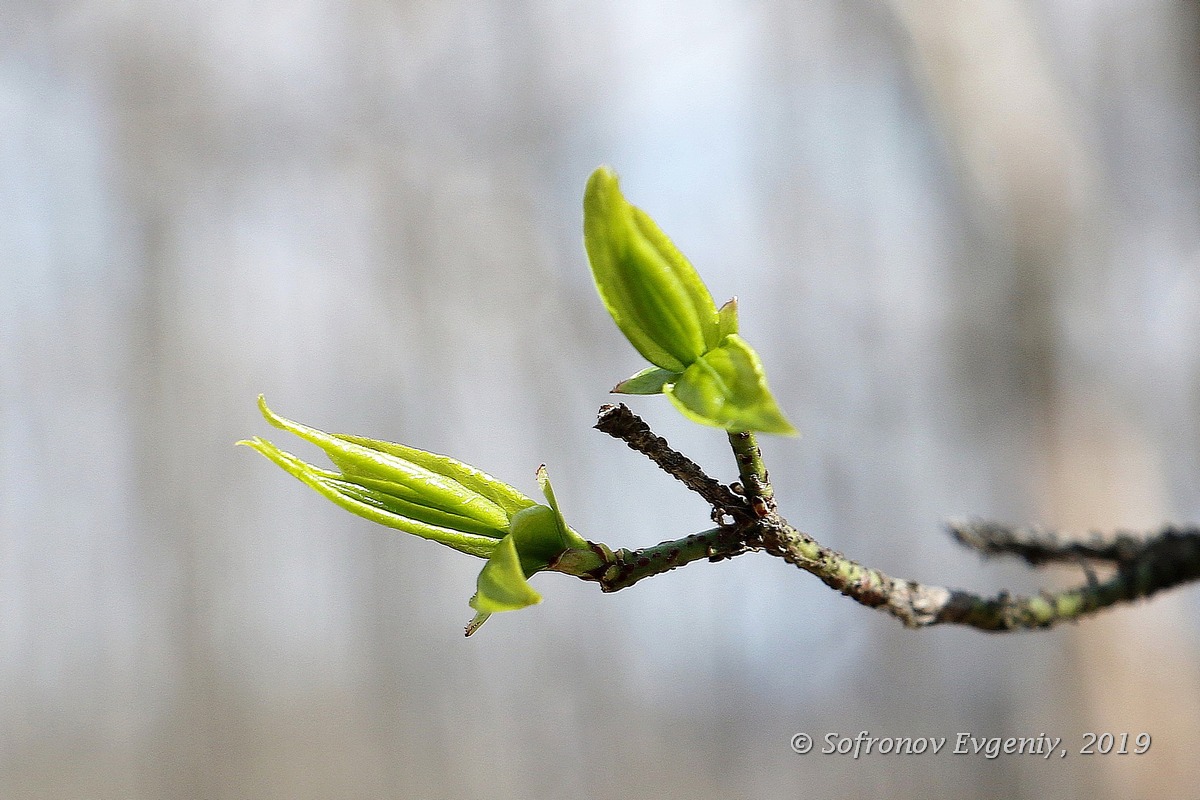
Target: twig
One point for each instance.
(1167, 560)
(756, 484)
(716, 544)
(1141, 566)
(621, 423)
(1038, 546)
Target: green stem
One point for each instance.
(620, 569)
(1169, 559)
(756, 484)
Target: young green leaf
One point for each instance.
(650, 289)
(437, 490)
(568, 539)
(502, 585)
(727, 388)
(373, 506)
(474, 479)
(649, 381)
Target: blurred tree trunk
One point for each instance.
(1019, 148)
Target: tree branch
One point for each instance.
(1038, 546)
(1169, 559)
(619, 569)
(1140, 566)
(715, 544)
(621, 423)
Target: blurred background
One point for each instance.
(965, 237)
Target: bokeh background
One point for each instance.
(965, 237)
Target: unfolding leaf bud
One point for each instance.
(438, 498)
(659, 302)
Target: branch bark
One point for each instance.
(621, 423)
(1139, 566)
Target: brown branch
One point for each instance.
(1037, 546)
(1168, 559)
(621, 423)
(1140, 566)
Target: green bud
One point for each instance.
(425, 494)
(441, 499)
(436, 481)
(384, 508)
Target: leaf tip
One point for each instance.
(269, 415)
(601, 199)
(602, 176)
(784, 428)
(256, 443)
(476, 622)
(727, 318)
